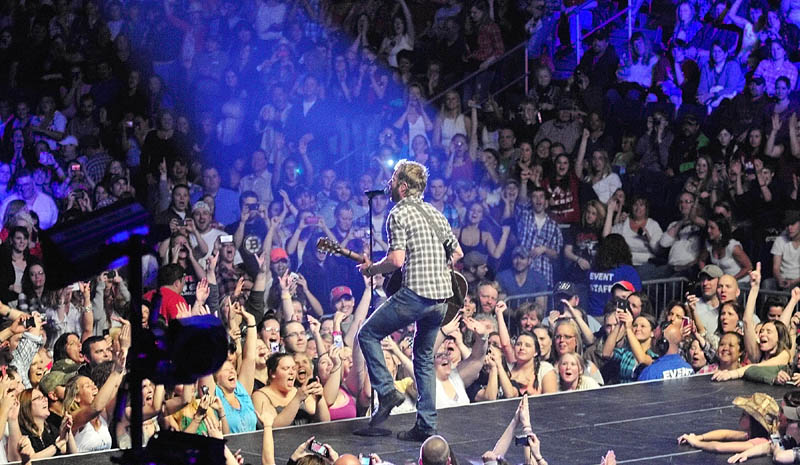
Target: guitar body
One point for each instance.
(394, 281)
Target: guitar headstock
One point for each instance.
(326, 245)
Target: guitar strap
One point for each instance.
(436, 231)
(457, 296)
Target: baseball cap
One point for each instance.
(567, 288)
(339, 292)
(278, 254)
(200, 205)
(52, 380)
(521, 251)
(69, 140)
(712, 271)
(627, 285)
(791, 217)
(475, 258)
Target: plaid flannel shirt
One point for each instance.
(530, 237)
(425, 271)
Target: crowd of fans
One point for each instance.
(251, 129)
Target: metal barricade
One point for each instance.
(663, 291)
(660, 291)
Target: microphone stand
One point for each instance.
(370, 431)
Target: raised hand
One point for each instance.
(284, 281)
(301, 282)
(119, 361)
(212, 261)
(453, 325)
(500, 308)
(202, 291)
(183, 311)
(263, 260)
(267, 416)
(313, 325)
(755, 276)
(125, 332)
(238, 289)
(66, 426)
(388, 344)
(609, 459)
(524, 413)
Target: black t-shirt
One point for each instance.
(48, 438)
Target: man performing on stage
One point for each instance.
(414, 245)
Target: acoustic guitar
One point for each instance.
(394, 281)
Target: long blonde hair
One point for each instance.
(71, 402)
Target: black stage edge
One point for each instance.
(640, 421)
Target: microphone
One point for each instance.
(376, 192)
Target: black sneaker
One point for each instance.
(415, 435)
(386, 404)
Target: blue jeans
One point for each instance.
(403, 308)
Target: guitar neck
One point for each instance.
(351, 255)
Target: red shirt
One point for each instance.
(565, 205)
(169, 302)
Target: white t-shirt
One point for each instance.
(210, 237)
(640, 252)
(790, 256)
(461, 398)
(606, 187)
(685, 247)
(727, 263)
(267, 16)
(89, 439)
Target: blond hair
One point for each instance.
(414, 174)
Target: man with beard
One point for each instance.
(706, 305)
(564, 129)
(488, 294)
(748, 107)
(414, 245)
(683, 151)
(520, 278)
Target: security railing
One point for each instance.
(661, 292)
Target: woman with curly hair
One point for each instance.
(612, 265)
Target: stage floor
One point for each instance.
(639, 421)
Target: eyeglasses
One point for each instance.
(564, 336)
(270, 330)
(295, 334)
